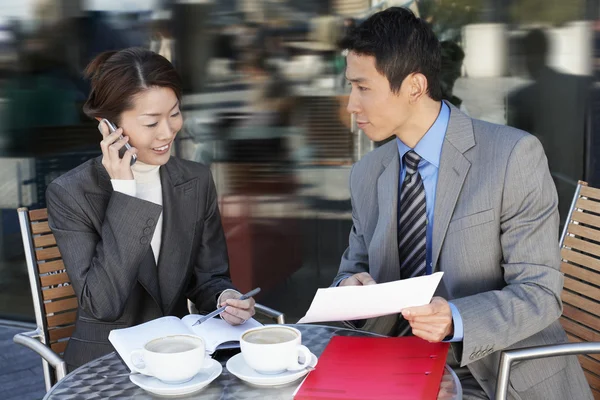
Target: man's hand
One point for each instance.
(432, 322)
(361, 279)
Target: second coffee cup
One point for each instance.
(274, 349)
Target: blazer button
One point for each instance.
(144, 240)
(150, 222)
(147, 231)
(472, 356)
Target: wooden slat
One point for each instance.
(582, 288)
(581, 273)
(588, 205)
(47, 254)
(44, 241)
(59, 347)
(580, 259)
(51, 266)
(589, 363)
(67, 318)
(585, 232)
(586, 218)
(575, 339)
(581, 317)
(590, 192)
(57, 293)
(593, 380)
(54, 279)
(61, 333)
(37, 215)
(582, 245)
(573, 299)
(61, 305)
(581, 331)
(40, 228)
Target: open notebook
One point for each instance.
(217, 334)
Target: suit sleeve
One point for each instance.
(211, 266)
(529, 220)
(356, 257)
(102, 266)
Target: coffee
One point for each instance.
(171, 345)
(270, 336)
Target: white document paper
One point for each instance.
(348, 303)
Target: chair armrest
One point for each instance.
(278, 316)
(31, 341)
(509, 356)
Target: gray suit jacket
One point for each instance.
(104, 238)
(495, 237)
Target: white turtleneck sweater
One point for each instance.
(146, 186)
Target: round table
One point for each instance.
(97, 380)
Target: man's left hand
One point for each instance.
(432, 322)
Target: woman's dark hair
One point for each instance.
(402, 44)
(118, 76)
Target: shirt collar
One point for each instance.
(429, 147)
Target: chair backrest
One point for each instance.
(580, 252)
(54, 300)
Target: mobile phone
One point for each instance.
(122, 150)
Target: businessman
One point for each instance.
(454, 194)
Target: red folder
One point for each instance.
(361, 368)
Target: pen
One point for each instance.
(221, 309)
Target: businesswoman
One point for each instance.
(138, 241)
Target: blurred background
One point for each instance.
(264, 107)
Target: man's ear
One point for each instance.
(417, 85)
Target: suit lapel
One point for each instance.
(385, 255)
(180, 201)
(147, 276)
(452, 172)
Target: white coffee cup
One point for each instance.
(274, 349)
(171, 359)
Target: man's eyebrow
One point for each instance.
(356, 80)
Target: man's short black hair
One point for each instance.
(402, 44)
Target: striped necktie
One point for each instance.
(412, 224)
(412, 228)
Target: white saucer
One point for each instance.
(198, 382)
(238, 367)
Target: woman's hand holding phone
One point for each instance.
(117, 167)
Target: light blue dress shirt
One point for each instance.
(429, 149)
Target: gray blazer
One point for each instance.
(104, 238)
(495, 237)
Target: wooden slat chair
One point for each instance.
(54, 300)
(580, 252)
